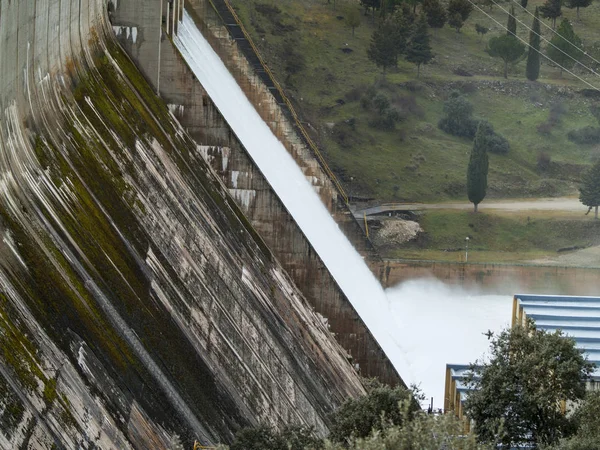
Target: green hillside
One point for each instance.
(326, 72)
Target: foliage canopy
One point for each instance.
(518, 393)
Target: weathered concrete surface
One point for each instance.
(138, 307)
(499, 278)
(220, 147)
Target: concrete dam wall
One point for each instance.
(139, 308)
(163, 66)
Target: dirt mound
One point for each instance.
(396, 232)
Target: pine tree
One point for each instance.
(589, 191)
(478, 166)
(577, 4)
(382, 49)
(508, 48)
(533, 55)
(435, 12)
(511, 26)
(551, 10)
(388, 42)
(418, 50)
(566, 46)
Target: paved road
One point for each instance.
(542, 204)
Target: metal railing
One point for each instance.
(281, 93)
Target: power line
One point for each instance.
(555, 32)
(527, 44)
(549, 42)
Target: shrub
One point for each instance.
(407, 104)
(357, 417)
(557, 110)
(293, 60)
(586, 135)
(543, 161)
(384, 117)
(545, 128)
(354, 94)
(386, 120)
(498, 144)
(344, 133)
(459, 117)
(381, 103)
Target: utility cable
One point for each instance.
(549, 42)
(555, 32)
(527, 44)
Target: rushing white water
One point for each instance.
(413, 325)
(440, 324)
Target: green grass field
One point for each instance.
(506, 237)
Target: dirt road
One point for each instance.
(542, 204)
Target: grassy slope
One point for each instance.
(419, 162)
(375, 165)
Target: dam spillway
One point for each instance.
(283, 174)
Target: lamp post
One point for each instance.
(467, 249)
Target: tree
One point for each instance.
(388, 42)
(353, 19)
(524, 4)
(459, 116)
(481, 30)
(577, 4)
(358, 417)
(388, 7)
(517, 394)
(370, 4)
(456, 22)
(477, 170)
(533, 54)
(551, 10)
(383, 50)
(511, 26)
(507, 48)
(587, 420)
(435, 12)
(456, 9)
(418, 50)
(566, 48)
(589, 191)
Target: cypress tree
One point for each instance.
(511, 26)
(533, 55)
(478, 165)
(589, 191)
(418, 50)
